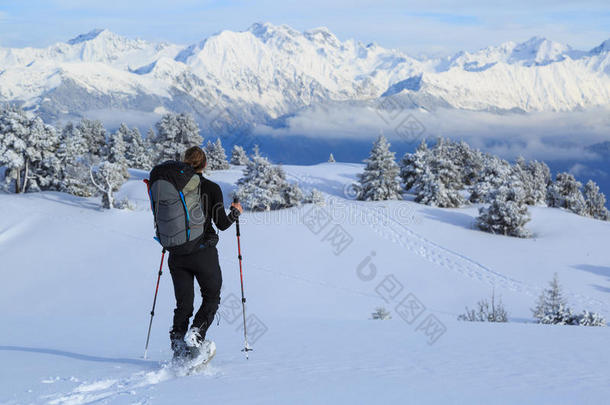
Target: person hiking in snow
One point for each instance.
(201, 264)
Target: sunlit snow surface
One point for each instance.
(78, 282)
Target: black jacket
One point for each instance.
(213, 207)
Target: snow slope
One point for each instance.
(78, 284)
(240, 79)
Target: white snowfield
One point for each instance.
(269, 71)
(77, 288)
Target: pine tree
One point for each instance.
(495, 173)
(551, 302)
(432, 191)
(380, 178)
(95, 137)
(75, 158)
(175, 134)
(41, 155)
(238, 156)
(565, 192)
(412, 166)
(137, 154)
(507, 214)
(108, 179)
(264, 187)
(541, 178)
(216, 156)
(117, 148)
(28, 151)
(331, 159)
(314, 197)
(595, 202)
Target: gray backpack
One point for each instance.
(175, 197)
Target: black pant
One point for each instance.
(203, 265)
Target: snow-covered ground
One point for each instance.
(77, 284)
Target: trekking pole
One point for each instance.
(152, 312)
(247, 347)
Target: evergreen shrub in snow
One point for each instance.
(175, 134)
(263, 187)
(216, 156)
(552, 309)
(381, 313)
(595, 202)
(506, 215)
(238, 156)
(565, 192)
(380, 178)
(486, 312)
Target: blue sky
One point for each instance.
(417, 27)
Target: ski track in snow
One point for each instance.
(105, 389)
(393, 230)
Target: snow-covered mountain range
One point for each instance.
(265, 73)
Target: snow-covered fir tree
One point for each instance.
(28, 151)
(238, 156)
(117, 146)
(108, 178)
(95, 137)
(314, 197)
(412, 166)
(331, 159)
(431, 191)
(552, 309)
(41, 156)
(380, 178)
(264, 187)
(175, 134)
(216, 156)
(75, 159)
(595, 202)
(507, 214)
(565, 192)
(540, 180)
(138, 152)
(495, 173)
(551, 301)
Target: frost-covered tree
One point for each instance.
(595, 202)
(138, 153)
(238, 156)
(551, 301)
(552, 309)
(216, 156)
(108, 178)
(380, 178)
(27, 150)
(264, 187)
(486, 311)
(540, 180)
(314, 197)
(117, 146)
(175, 134)
(432, 191)
(381, 314)
(507, 214)
(95, 137)
(331, 159)
(41, 156)
(495, 173)
(75, 158)
(412, 166)
(565, 192)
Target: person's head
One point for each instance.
(195, 156)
